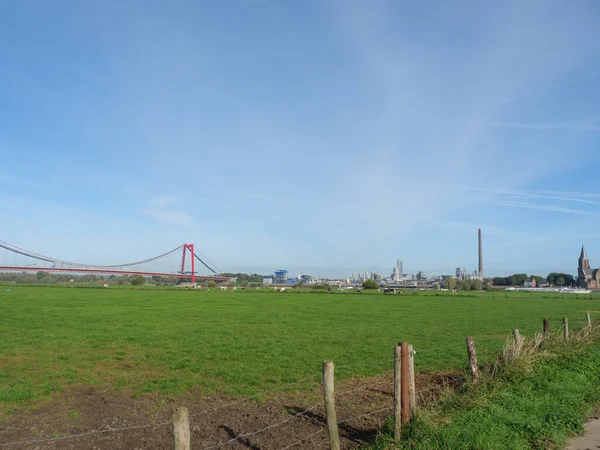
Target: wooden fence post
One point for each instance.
(181, 428)
(546, 327)
(405, 384)
(517, 335)
(397, 394)
(411, 379)
(518, 341)
(329, 394)
(473, 359)
(588, 319)
(565, 329)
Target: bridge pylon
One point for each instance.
(189, 247)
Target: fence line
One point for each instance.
(361, 388)
(245, 399)
(303, 439)
(263, 429)
(365, 415)
(107, 428)
(339, 423)
(87, 433)
(237, 402)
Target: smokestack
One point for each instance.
(480, 255)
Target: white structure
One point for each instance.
(398, 276)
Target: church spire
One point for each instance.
(584, 262)
(583, 255)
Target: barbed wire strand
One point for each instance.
(365, 415)
(420, 350)
(72, 436)
(245, 399)
(363, 387)
(263, 429)
(365, 364)
(303, 439)
(279, 388)
(339, 423)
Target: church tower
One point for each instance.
(584, 262)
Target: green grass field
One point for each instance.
(172, 342)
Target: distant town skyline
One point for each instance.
(317, 134)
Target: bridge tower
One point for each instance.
(189, 247)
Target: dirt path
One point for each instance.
(590, 440)
(276, 422)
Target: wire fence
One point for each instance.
(362, 386)
(314, 416)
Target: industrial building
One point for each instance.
(280, 276)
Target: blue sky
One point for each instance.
(322, 136)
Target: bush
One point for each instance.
(370, 284)
(476, 285)
(138, 280)
(212, 284)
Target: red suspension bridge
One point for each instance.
(181, 263)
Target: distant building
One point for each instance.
(267, 280)
(530, 284)
(587, 277)
(397, 274)
(306, 279)
(280, 277)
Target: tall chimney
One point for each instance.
(480, 255)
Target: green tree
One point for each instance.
(476, 285)
(518, 279)
(370, 284)
(88, 278)
(463, 285)
(41, 275)
(137, 280)
(450, 283)
(501, 281)
(560, 279)
(212, 284)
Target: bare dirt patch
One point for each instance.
(275, 421)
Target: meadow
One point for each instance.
(174, 342)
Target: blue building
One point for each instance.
(280, 277)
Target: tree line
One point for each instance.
(518, 279)
(463, 285)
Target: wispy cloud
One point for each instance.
(541, 90)
(11, 180)
(542, 126)
(550, 195)
(537, 206)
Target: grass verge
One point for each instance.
(535, 401)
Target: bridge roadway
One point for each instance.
(107, 272)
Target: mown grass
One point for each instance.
(536, 402)
(174, 342)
